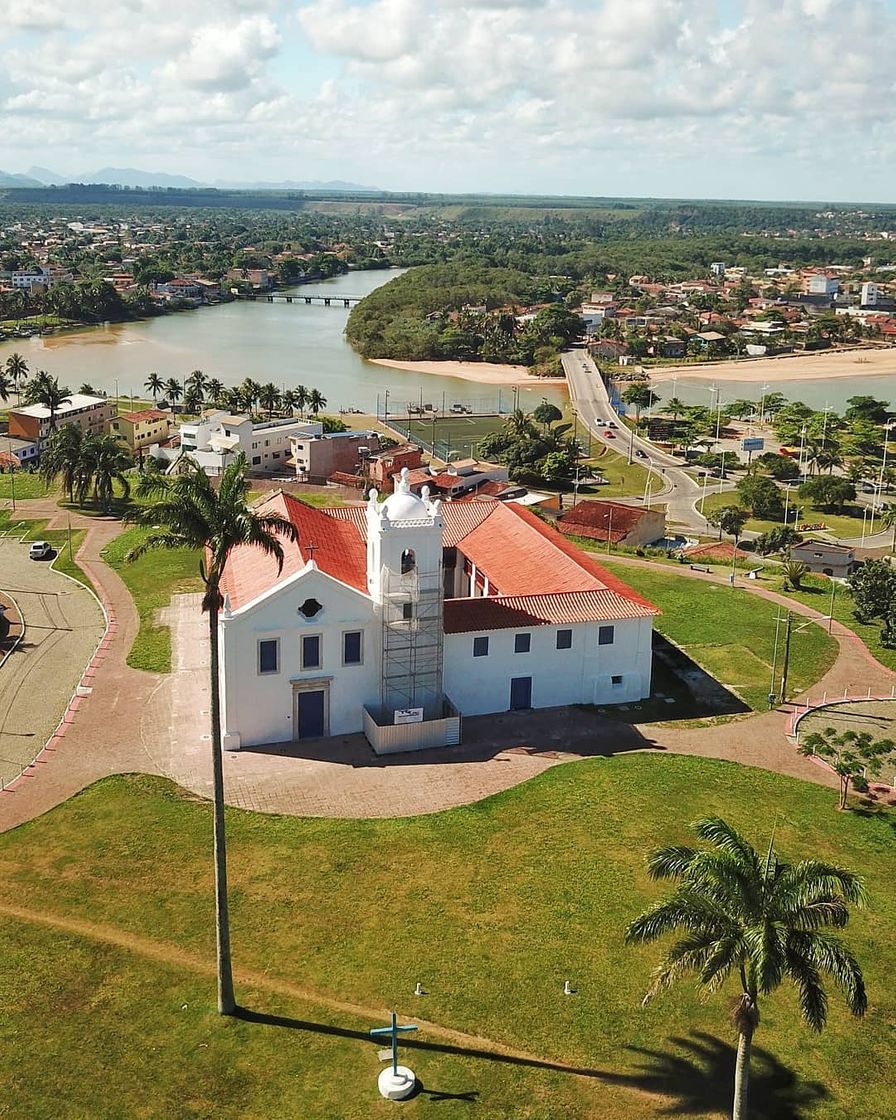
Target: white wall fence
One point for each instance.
(393, 738)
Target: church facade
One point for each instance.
(399, 617)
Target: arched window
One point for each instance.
(408, 561)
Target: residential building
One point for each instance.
(821, 284)
(870, 295)
(717, 268)
(463, 476)
(217, 437)
(315, 457)
(90, 414)
(398, 617)
(615, 522)
(826, 558)
(383, 466)
(142, 428)
(24, 451)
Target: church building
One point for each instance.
(398, 618)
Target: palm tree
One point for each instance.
(316, 401)
(6, 384)
(673, 406)
(759, 919)
(155, 385)
(301, 398)
(250, 390)
(288, 401)
(269, 398)
(17, 369)
(106, 461)
(45, 390)
(214, 390)
(191, 513)
(173, 392)
(197, 381)
(63, 458)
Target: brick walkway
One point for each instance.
(135, 721)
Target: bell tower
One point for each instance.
(404, 577)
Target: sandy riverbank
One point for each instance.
(787, 367)
(486, 373)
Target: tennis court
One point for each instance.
(440, 435)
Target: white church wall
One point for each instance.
(586, 673)
(258, 707)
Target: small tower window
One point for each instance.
(310, 608)
(408, 561)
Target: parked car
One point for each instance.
(39, 550)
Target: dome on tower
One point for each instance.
(403, 505)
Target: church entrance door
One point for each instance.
(520, 693)
(311, 713)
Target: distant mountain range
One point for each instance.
(133, 177)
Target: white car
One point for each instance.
(39, 550)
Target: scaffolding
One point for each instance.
(412, 642)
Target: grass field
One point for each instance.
(490, 906)
(729, 632)
(27, 485)
(841, 525)
(152, 580)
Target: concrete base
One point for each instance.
(395, 1087)
(230, 741)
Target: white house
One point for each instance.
(398, 618)
(217, 437)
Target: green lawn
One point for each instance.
(841, 525)
(152, 580)
(728, 631)
(490, 906)
(27, 485)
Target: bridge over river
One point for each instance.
(324, 300)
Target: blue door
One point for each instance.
(310, 714)
(520, 693)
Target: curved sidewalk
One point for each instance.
(100, 739)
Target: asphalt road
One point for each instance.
(589, 395)
(63, 624)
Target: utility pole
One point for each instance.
(786, 667)
(772, 695)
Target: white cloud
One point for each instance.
(489, 94)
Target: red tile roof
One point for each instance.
(144, 415)
(714, 552)
(597, 520)
(523, 558)
(503, 612)
(338, 551)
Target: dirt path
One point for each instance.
(470, 1045)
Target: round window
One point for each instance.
(310, 608)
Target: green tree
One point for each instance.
(6, 385)
(761, 496)
(269, 398)
(639, 396)
(106, 461)
(17, 370)
(546, 414)
(873, 590)
(214, 389)
(730, 520)
(62, 459)
(154, 385)
(778, 539)
(828, 492)
(852, 755)
(45, 390)
(174, 392)
(888, 520)
(755, 918)
(191, 513)
(867, 408)
(674, 407)
(316, 401)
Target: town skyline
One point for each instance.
(738, 100)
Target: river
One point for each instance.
(289, 344)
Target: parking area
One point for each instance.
(63, 624)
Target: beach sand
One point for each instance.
(486, 373)
(787, 367)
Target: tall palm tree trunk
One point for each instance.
(742, 1074)
(226, 1001)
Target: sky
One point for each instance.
(766, 99)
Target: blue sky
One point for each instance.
(697, 98)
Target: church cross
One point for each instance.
(311, 548)
(393, 1031)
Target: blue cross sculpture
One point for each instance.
(393, 1032)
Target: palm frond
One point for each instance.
(162, 538)
(671, 862)
(833, 956)
(723, 836)
(812, 996)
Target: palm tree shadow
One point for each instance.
(698, 1077)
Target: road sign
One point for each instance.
(752, 443)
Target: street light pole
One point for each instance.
(786, 668)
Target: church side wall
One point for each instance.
(582, 674)
(259, 706)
